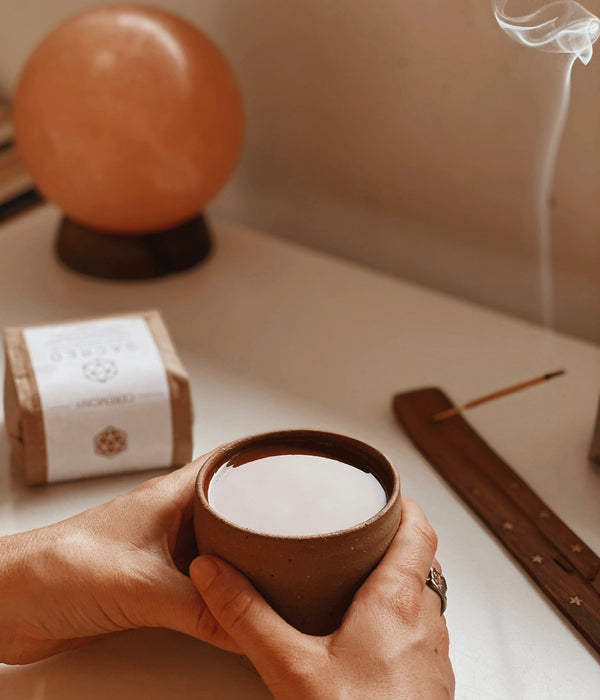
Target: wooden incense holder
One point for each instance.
(565, 568)
(128, 256)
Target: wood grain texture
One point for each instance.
(560, 563)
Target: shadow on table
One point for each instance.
(139, 664)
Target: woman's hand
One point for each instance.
(119, 566)
(114, 567)
(393, 641)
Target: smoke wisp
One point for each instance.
(563, 27)
(559, 27)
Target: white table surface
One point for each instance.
(275, 336)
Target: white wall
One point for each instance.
(403, 135)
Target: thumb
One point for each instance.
(177, 605)
(262, 635)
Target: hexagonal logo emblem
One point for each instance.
(100, 370)
(110, 442)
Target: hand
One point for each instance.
(114, 567)
(393, 641)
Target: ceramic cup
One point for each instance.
(309, 580)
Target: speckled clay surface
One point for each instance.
(310, 580)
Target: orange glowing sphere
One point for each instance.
(129, 118)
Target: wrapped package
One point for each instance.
(97, 396)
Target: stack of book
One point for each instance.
(17, 191)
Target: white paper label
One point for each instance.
(105, 397)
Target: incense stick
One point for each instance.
(448, 413)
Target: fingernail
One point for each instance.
(205, 572)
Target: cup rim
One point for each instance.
(279, 442)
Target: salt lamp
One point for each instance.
(130, 119)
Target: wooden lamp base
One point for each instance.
(133, 256)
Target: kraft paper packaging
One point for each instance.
(23, 412)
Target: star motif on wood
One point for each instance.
(544, 515)
(508, 525)
(576, 548)
(575, 600)
(537, 559)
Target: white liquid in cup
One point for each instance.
(295, 495)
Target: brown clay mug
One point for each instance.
(309, 580)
